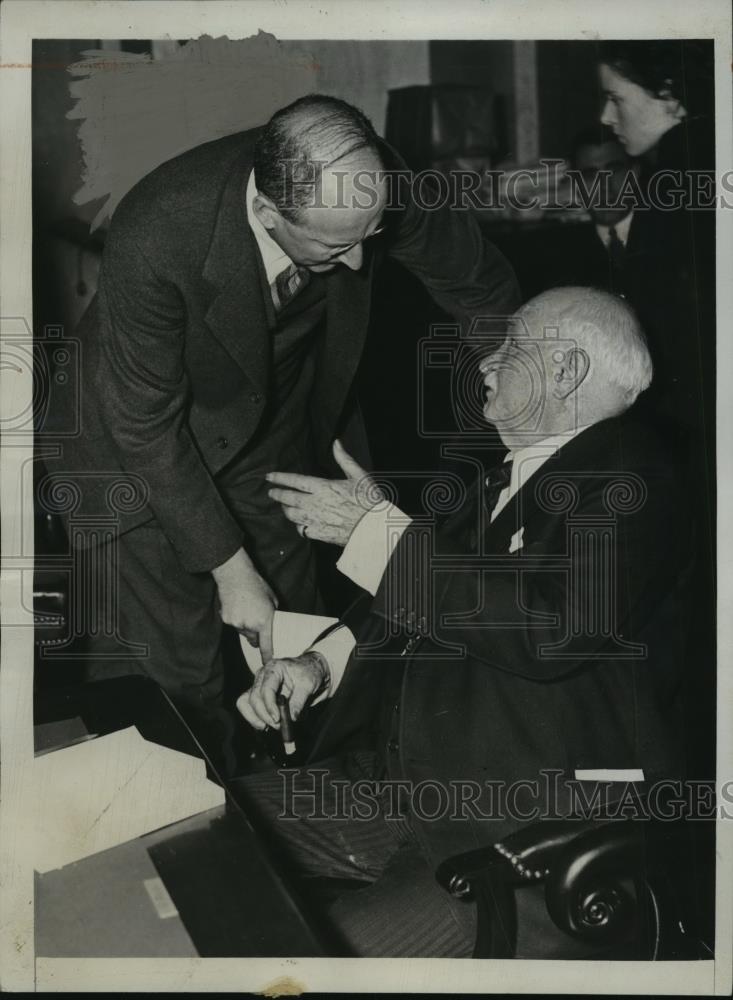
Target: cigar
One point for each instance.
(286, 724)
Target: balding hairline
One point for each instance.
(602, 324)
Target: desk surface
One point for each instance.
(205, 885)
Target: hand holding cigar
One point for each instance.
(281, 690)
(286, 724)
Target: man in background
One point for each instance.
(603, 252)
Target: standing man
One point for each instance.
(232, 307)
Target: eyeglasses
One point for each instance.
(339, 251)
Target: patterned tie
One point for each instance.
(497, 480)
(287, 285)
(616, 251)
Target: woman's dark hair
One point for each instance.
(302, 138)
(684, 69)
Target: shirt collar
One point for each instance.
(526, 461)
(622, 230)
(274, 258)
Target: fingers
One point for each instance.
(296, 481)
(297, 701)
(258, 704)
(346, 463)
(291, 498)
(296, 514)
(251, 637)
(268, 691)
(309, 672)
(246, 710)
(265, 643)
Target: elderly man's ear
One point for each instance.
(570, 372)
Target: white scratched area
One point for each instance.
(136, 113)
(321, 19)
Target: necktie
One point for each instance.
(287, 285)
(496, 481)
(616, 250)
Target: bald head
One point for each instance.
(574, 356)
(321, 187)
(312, 135)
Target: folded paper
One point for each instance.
(107, 791)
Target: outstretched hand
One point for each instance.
(326, 510)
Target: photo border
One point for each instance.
(24, 20)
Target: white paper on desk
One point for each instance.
(104, 792)
(291, 634)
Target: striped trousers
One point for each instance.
(319, 828)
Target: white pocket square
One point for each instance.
(517, 540)
(610, 774)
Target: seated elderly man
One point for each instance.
(530, 648)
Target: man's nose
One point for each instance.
(353, 257)
(608, 115)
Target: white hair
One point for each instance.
(604, 325)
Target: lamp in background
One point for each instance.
(447, 126)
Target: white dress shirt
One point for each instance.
(375, 537)
(273, 256)
(622, 230)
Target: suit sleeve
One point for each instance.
(144, 394)
(524, 619)
(464, 273)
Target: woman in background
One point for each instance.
(658, 100)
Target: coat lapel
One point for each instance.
(348, 298)
(577, 454)
(236, 315)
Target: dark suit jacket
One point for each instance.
(509, 705)
(174, 359)
(563, 254)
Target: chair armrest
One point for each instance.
(524, 856)
(587, 890)
(606, 884)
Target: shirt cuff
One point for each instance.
(371, 545)
(336, 647)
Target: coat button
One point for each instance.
(223, 442)
(256, 398)
(393, 746)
